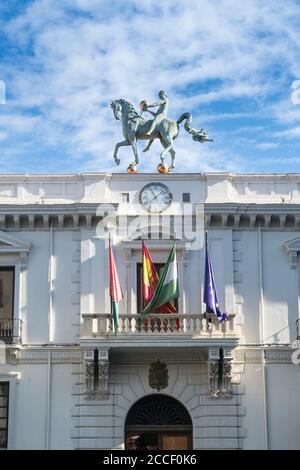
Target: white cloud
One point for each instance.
(72, 64)
(285, 112)
(3, 136)
(293, 133)
(267, 145)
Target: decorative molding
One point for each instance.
(103, 381)
(75, 354)
(273, 355)
(221, 214)
(279, 357)
(40, 356)
(89, 379)
(219, 374)
(12, 356)
(11, 246)
(292, 247)
(96, 375)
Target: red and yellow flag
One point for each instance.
(115, 290)
(150, 282)
(150, 276)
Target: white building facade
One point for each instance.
(165, 381)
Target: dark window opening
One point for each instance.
(4, 390)
(186, 197)
(7, 281)
(125, 197)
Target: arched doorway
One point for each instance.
(158, 422)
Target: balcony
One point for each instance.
(11, 330)
(163, 329)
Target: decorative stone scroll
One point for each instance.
(219, 370)
(292, 247)
(96, 374)
(103, 381)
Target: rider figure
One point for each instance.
(161, 112)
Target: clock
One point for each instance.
(155, 197)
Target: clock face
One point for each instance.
(155, 197)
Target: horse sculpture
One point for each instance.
(135, 127)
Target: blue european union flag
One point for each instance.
(210, 296)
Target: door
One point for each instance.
(158, 422)
(175, 442)
(158, 441)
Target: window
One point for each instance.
(125, 197)
(7, 278)
(7, 281)
(186, 197)
(4, 388)
(159, 267)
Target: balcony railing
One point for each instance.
(174, 325)
(11, 330)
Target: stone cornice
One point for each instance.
(270, 355)
(14, 246)
(11, 244)
(74, 354)
(40, 355)
(83, 215)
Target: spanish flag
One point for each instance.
(151, 281)
(150, 276)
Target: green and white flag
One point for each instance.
(168, 288)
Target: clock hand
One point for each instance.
(157, 195)
(152, 192)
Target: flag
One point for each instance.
(151, 280)
(115, 290)
(150, 276)
(168, 288)
(210, 297)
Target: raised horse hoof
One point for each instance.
(132, 169)
(162, 168)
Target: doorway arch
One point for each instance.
(158, 422)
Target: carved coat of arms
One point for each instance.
(158, 375)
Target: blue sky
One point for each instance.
(231, 63)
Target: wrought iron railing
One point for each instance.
(191, 325)
(11, 330)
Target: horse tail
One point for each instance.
(198, 134)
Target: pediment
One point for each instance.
(292, 247)
(10, 244)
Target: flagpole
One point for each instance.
(111, 302)
(204, 316)
(109, 247)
